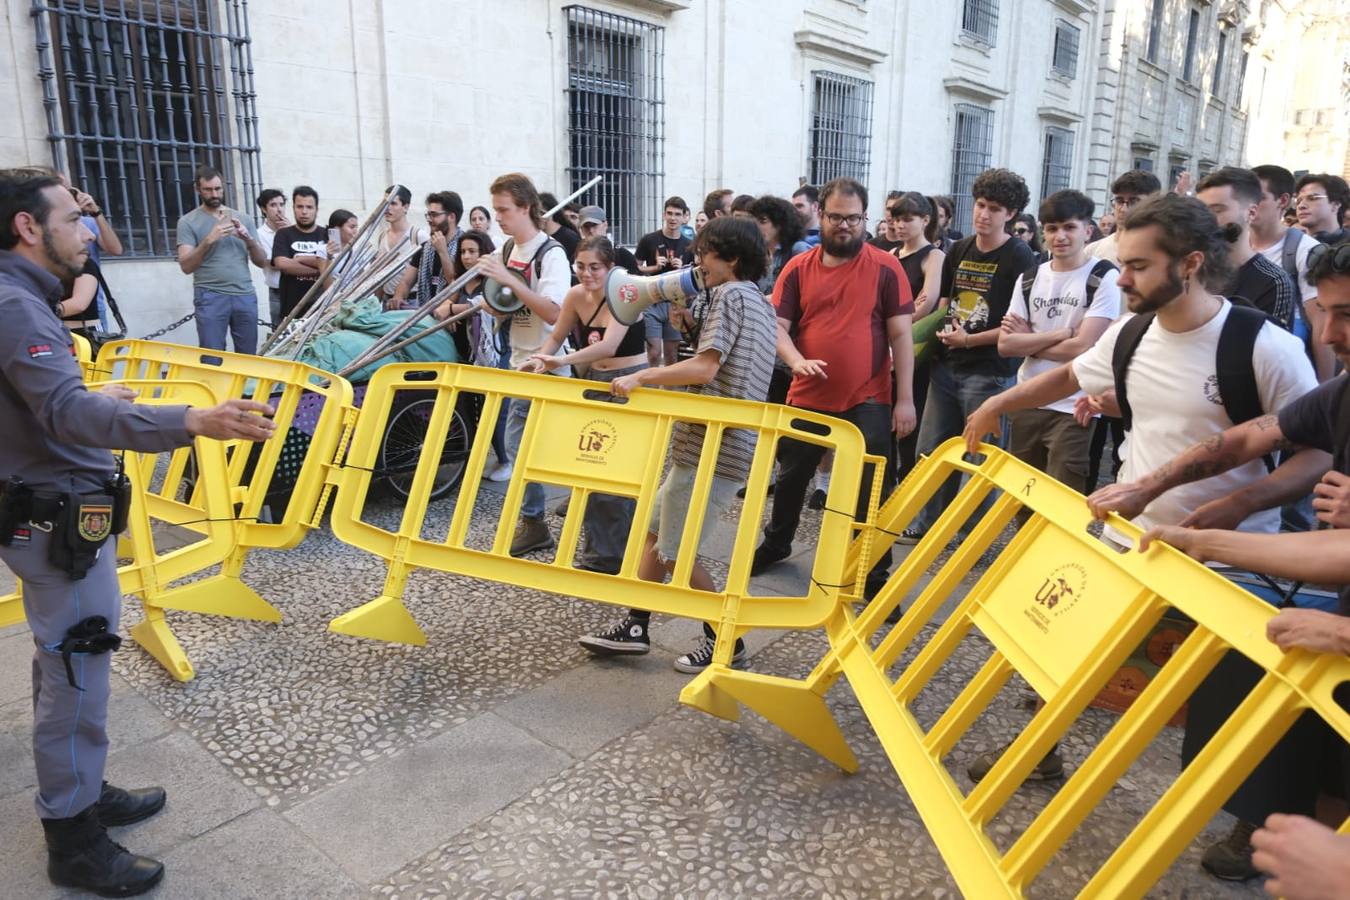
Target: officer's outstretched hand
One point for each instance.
(232, 420)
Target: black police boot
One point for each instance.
(121, 807)
(81, 855)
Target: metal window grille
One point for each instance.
(616, 116)
(1242, 79)
(1217, 87)
(841, 128)
(1192, 37)
(1057, 165)
(1065, 58)
(972, 153)
(1155, 23)
(138, 94)
(979, 18)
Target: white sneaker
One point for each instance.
(502, 472)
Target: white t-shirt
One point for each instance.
(1174, 398)
(528, 331)
(1059, 300)
(1106, 248)
(270, 274)
(1275, 253)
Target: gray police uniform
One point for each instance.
(52, 426)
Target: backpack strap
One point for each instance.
(1233, 364)
(538, 260)
(1289, 256)
(1094, 279)
(1127, 341)
(1028, 284)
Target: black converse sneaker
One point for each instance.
(698, 660)
(628, 637)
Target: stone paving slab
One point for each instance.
(395, 812)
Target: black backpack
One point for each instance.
(1233, 364)
(537, 260)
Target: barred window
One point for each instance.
(841, 128)
(979, 19)
(972, 153)
(1155, 25)
(616, 116)
(1143, 164)
(138, 94)
(1065, 58)
(1192, 38)
(1217, 87)
(1057, 164)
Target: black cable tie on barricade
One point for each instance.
(89, 636)
(874, 526)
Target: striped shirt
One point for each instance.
(739, 324)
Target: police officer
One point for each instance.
(63, 498)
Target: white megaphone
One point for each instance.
(500, 296)
(628, 295)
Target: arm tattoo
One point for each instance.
(1272, 423)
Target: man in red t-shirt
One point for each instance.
(844, 312)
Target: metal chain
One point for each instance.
(183, 321)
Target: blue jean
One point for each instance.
(533, 503)
(499, 429)
(218, 313)
(952, 397)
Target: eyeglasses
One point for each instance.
(837, 220)
(433, 216)
(1126, 202)
(1309, 198)
(593, 268)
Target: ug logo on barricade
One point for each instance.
(95, 522)
(1062, 588)
(596, 440)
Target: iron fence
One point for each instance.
(138, 94)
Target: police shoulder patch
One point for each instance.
(39, 350)
(94, 522)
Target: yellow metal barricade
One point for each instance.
(157, 499)
(314, 414)
(1063, 610)
(577, 438)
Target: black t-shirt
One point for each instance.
(624, 259)
(886, 244)
(1310, 421)
(416, 262)
(569, 240)
(979, 287)
(657, 244)
(1267, 287)
(913, 266)
(291, 242)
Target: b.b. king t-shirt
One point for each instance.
(291, 242)
(979, 287)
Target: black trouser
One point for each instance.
(797, 462)
(1310, 758)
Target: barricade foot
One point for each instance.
(383, 619)
(11, 609)
(220, 595)
(157, 639)
(789, 704)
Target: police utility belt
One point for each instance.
(80, 524)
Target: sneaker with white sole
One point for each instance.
(628, 637)
(698, 660)
(501, 472)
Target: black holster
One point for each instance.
(16, 505)
(89, 636)
(81, 526)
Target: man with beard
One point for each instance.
(1284, 782)
(430, 265)
(215, 246)
(1173, 257)
(300, 251)
(844, 311)
(59, 496)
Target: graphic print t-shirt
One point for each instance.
(650, 246)
(980, 286)
(291, 242)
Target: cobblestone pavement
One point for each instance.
(501, 761)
